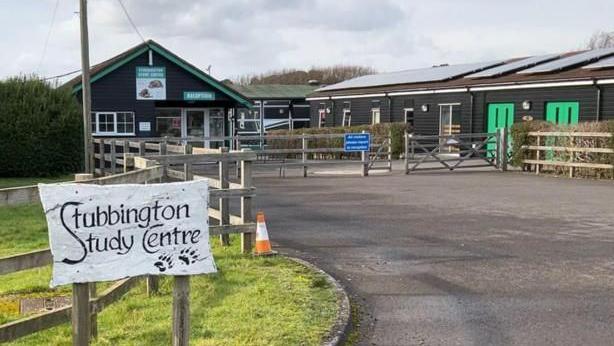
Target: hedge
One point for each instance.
(519, 136)
(40, 129)
(378, 131)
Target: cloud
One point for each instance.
(252, 36)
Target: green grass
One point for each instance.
(250, 301)
(22, 228)
(15, 182)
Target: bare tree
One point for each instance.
(601, 39)
(324, 75)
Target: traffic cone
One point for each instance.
(263, 245)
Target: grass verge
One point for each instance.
(250, 301)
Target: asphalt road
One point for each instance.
(463, 258)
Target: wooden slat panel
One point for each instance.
(228, 229)
(569, 164)
(570, 149)
(202, 158)
(19, 195)
(570, 134)
(29, 260)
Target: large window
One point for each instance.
(168, 122)
(113, 123)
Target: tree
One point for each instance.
(601, 39)
(40, 129)
(324, 75)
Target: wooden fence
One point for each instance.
(546, 152)
(155, 168)
(279, 151)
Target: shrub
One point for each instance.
(377, 131)
(40, 129)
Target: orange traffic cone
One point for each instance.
(263, 245)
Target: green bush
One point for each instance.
(520, 137)
(40, 129)
(377, 131)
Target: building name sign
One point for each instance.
(150, 83)
(198, 95)
(102, 233)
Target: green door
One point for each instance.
(562, 113)
(500, 115)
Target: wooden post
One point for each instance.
(364, 157)
(498, 149)
(86, 94)
(102, 160)
(113, 157)
(503, 154)
(84, 323)
(247, 239)
(406, 140)
(537, 166)
(304, 155)
(181, 310)
(126, 154)
(572, 144)
(142, 148)
(390, 150)
(223, 202)
(153, 284)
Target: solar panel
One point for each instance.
(432, 74)
(603, 63)
(569, 61)
(513, 66)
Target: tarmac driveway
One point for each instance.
(463, 258)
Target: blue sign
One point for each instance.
(357, 142)
(198, 95)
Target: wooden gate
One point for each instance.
(456, 151)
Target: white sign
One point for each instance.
(150, 83)
(144, 126)
(102, 233)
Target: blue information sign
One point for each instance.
(357, 142)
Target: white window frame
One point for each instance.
(413, 116)
(96, 124)
(376, 119)
(321, 117)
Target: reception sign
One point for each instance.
(198, 96)
(150, 83)
(102, 233)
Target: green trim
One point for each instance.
(175, 59)
(112, 68)
(178, 61)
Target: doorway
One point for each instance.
(204, 123)
(563, 113)
(449, 124)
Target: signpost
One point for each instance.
(150, 83)
(356, 142)
(104, 233)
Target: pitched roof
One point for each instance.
(574, 72)
(274, 91)
(102, 69)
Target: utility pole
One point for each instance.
(86, 89)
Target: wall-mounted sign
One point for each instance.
(357, 142)
(144, 126)
(198, 95)
(101, 233)
(150, 83)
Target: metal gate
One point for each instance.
(456, 151)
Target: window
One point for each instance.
(322, 115)
(168, 122)
(375, 116)
(113, 123)
(409, 116)
(347, 114)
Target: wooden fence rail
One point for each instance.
(543, 153)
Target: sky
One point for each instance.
(238, 37)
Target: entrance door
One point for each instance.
(214, 127)
(563, 113)
(449, 124)
(500, 115)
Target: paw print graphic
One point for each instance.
(188, 256)
(164, 262)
